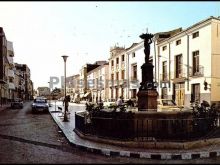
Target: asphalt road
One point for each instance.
(27, 138)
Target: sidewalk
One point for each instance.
(5, 106)
(110, 150)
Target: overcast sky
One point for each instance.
(42, 32)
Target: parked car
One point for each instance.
(168, 105)
(17, 103)
(40, 104)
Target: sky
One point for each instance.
(43, 31)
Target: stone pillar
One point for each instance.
(147, 100)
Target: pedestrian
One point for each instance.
(66, 101)
(120, 101)
(130, 103)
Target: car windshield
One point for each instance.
(40, 101)
(17, 100)
(168, 102)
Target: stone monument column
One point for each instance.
(147, 94)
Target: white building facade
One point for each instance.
(10, 71)
(187, 60)
(98, 83)
(117, 73)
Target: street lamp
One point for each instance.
(65, 100)
(49, 95)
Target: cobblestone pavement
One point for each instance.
(105, 149)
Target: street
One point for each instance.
(35, 138)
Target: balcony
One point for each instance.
(111, 83)
(11, 85)
(10, 60)
(3, 80)
(11, 73)
(116, 83)
(179, 77)
(196, 72)
(123, 83)
(134, 84)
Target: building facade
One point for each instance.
(189, 60)
(43, 91)
(10, 71)
(72, 86)
(23, 83)
(3, 63)
(98, 80)
(117, 73)
(83, 83)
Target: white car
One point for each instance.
(17, 103)
(109, 102)
(40, 104)
(167, 105)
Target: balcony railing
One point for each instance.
(111, 83)
(10, 60)
(199, 72)
(175, 75)
(11, 73)
(11, 85)
(133, 78)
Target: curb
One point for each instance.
(145, 155)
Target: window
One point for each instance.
(164, 93)
(112, 76)
(122, 92)
(123, 58)
(112, 62)
(164, 70)
(133, 54)
(178, 42)
(96, 82)
(135, 72)
(123, 74)
(164, 48)
(117, 75)
(195, 95)
(11, 80)
(196, 34)
(112, 92)
(195, 62)
(134, 93)
(116, 93)
(117, 60)
(178, 63)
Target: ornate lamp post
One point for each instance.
(65, 100)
